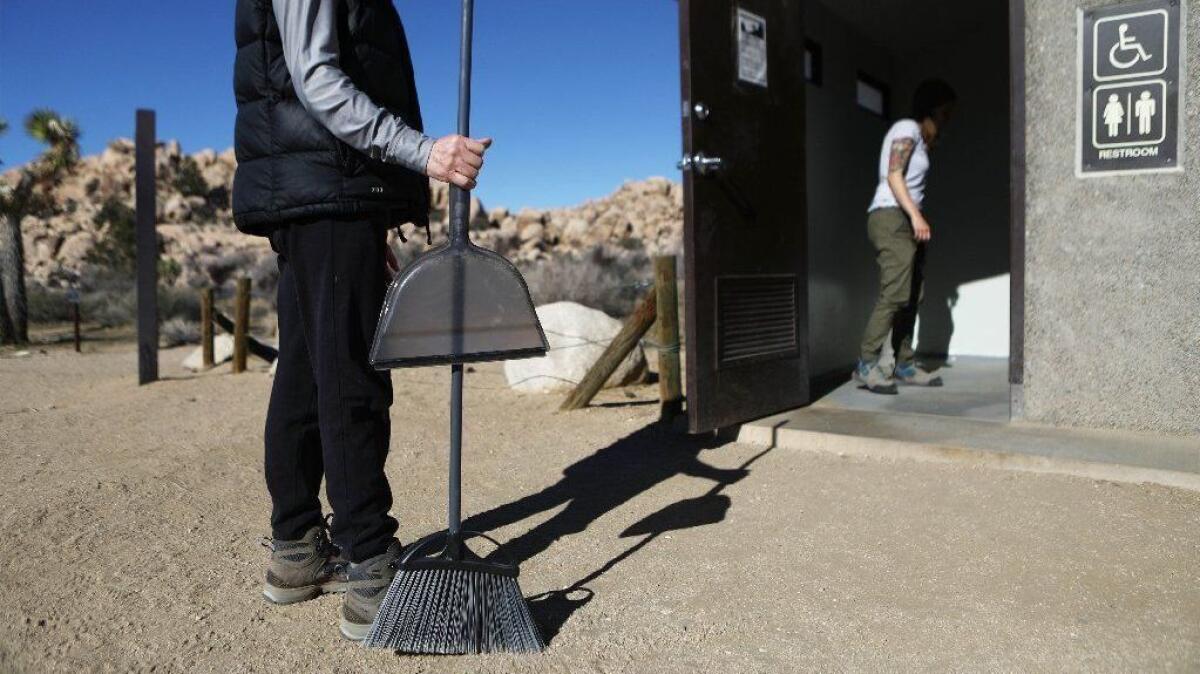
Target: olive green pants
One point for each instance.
(901, 279)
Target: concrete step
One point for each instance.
(1118, 456)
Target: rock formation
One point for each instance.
(197, 235)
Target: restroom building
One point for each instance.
(1063, 279)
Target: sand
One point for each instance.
(132, 520)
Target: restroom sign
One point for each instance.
(1129, 102)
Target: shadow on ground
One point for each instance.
(601, 483)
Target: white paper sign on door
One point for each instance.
(752, 48)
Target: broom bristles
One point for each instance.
(454, 611)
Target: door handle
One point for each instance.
(700, 163)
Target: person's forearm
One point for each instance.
(899, 187)
(308, 29)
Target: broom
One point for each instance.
(445, 598)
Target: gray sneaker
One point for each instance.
(912, 375)
(368, 583)
(300, 570)
(874, 379)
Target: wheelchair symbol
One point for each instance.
(1125, 44)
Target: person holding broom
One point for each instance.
(331, 153)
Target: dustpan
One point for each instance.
(458, 303)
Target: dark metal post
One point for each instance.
(147, 250)
(75, 315)
(73, 298)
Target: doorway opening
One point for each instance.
(864, 60)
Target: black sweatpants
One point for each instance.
(328, 413)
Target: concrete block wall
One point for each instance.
(1112, 298)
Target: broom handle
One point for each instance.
(460, 199)
(455, 509)
(460, 210)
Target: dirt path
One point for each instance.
(131, 521)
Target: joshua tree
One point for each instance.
(30, 196)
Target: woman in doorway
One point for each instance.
(900, 233)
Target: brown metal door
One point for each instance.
(744, 209)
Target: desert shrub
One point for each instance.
(600, 279)
(188, 180)
(110, 299)
(229, 265)
(178, 331)
(264, 272)
(218, 197)
(47, 305)
(118, 249)
(168, 270)
(110, 304)
(178, 303)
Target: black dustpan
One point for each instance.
(458, 303)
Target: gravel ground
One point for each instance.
(133, 516)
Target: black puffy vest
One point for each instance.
(289, 166)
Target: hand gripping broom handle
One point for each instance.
(460, 207)
(460, 199)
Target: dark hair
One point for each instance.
(929, 96)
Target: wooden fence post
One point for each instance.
(622, 344)
(241, 325)
(253, 346)
(670, 386)
(206, 327)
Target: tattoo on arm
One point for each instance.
(902, 149)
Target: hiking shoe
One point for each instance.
(303, 569)
(368, 583)
(872, 377)
(911, 375)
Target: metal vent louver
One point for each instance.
(756, 317)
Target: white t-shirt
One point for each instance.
(918, 166)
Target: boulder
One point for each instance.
(76, 247)
(205, 157)
(497, 215)
(217, 174)
(528, 216)
(478, 218)
(576, 230)
(176, 209)
(532, 232)
(45, 248)
(577, 336)
(222, 352)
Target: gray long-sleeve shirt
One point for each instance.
(310, 49)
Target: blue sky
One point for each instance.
(579, 94)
